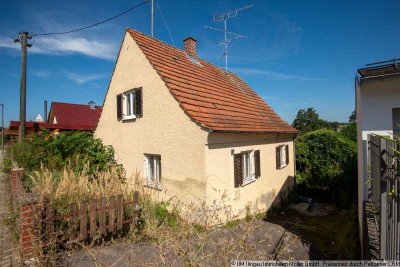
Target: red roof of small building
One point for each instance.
(217, 100)
(14, 125)
(75, 115)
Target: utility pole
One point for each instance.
(23, 38)
(152, 18)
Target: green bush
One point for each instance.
(76, 148)
(350, 131)
(327, 161)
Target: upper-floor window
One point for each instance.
(129, 105)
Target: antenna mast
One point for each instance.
(224, 17)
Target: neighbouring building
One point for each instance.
(377, 91)
(62, 117)
(194, 131)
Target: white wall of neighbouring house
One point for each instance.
(164, 128)
(259, 195)
(375, 100)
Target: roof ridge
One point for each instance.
(66, 103)
(197, 103)
(177, 48)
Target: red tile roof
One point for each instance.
(75, 115)
(217, 100)
(14, 125)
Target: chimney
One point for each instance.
(45, 111)
(190, 46)
(92, 105)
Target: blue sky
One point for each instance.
(298, 54)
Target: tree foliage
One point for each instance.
(307, 120)
(353, 117)
(350, 131)
(327, 160)
(75, 147)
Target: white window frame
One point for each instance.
(129, 112)
(152, 167)
(248, 167)
(282, 152)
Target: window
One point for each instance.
(129, 99)
(246, 167)
(153, 171)
(129, 105)
(282, 156)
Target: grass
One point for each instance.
(335, 235)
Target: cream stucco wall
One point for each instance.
(196, 165)
(262, 193)
(164, 128)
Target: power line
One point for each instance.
(93, 25)
(165, 23)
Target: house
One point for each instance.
(377, 91)
(62, 117)
(192, 130)
(81, 116)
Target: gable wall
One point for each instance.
(164, 128)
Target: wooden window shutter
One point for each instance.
(119, 107)
(138, 103)
(257, 163)
(278, 157)
(238, 172)
(287, 154)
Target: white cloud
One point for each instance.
(273, 75)
(62, 45)
(84, 78)
(41, 73)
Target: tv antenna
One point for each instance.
(232, 36)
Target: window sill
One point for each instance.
(130, 118)
(248, 182)
(155, 187)
(284, 166)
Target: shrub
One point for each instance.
(350, 131)
(75, 147)
(326, 160)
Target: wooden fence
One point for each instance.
(94, 218)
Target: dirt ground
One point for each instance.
(332, 232)
(267, 241)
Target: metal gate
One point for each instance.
(384, 193)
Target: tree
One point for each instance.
(327, 161)
(350, 131)
(307, 120)
(353, 117)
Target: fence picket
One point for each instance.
(120, 211)
(95, 217)
(102, 215)
(92, 217)
(111, 215)
(73, 221)
(83, 223)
